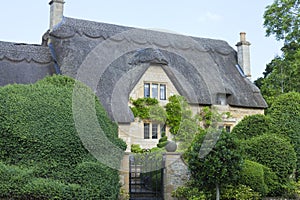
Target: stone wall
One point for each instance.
(176, 173)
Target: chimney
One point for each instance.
(56, 12)
(243, 54)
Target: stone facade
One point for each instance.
(133, 133)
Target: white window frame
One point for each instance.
(149, 132)
(155, 88)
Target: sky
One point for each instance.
(26, 21)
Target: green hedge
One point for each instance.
(274, 152)
(285, 120)
(259, 178)
(251, 126)
(252, 175)
(40, 143)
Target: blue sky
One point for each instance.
(26, 21)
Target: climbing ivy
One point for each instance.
(178, 116)
(148, 108)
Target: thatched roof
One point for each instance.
(111, 59)
(24, 63)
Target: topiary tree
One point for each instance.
(259, 178)
(251, 126)
(274, 152)
(41, 150)
(219, 166)
(285, 120)
(163, 141)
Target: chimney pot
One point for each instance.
(243, 54)
(242, 36)
(56, 12)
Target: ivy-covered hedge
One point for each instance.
(41, 151)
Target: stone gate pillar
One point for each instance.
(176, 173)
(124, 172)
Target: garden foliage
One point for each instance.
(42, 156)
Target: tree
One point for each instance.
(215, 165)
(282, 19)
(282, 74)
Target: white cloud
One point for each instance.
(210, 17)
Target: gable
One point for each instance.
(155, 74)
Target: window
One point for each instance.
(147, 90)
(162, 128)
(155, 90)
(227, 128)
(221, 99)
(146, 131)
(154, 131)
(162, 92)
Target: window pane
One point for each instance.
(154, 131)
(162, 128)
(146, 131)
(162, 92)
(228, 129)
(154, 91)
(147, 90)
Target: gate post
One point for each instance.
(176, 173)
(124, 172)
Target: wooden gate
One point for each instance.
(146, 173)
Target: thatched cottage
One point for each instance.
(120, 62)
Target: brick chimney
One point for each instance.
(56, 12)
(243, 54)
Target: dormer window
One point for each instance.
(221, 99)
(155, 90)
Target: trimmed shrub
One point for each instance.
(189, 193)
(163, 141)
(39, 137)
(274, 152)
(240, 192)
(272, 182)
(285, 119)
(252, 175)
(136, 148)
(251, 126)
